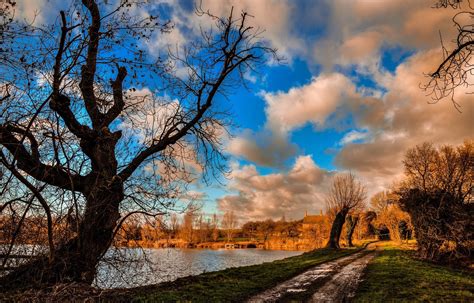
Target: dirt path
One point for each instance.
(333, 281)
(344, 283)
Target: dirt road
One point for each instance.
(334, 281)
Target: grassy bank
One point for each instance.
(230, 285)
(394, 275)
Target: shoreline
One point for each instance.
(233, 284)
(209, 248)
(297, 244)
(430, 281)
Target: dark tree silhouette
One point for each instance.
(351, 222)
(80, 123)
(346, 194)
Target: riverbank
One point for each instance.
(396, 275)
(273, 243)
(393, 274)
(230, 285)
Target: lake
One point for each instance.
(151, 266)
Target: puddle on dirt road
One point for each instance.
(343, 284)
(329, 282)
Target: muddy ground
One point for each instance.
(334, 281)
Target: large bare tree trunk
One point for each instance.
(77, 259)
(351, 224)
(336, 229)
(78, 58)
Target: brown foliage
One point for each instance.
(437, 194)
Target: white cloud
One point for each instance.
(263, 148)
(274, 17)
(405, 118)
(352, 136)
(359, 29)
(313, 102)
(286, 111)
(302, 188)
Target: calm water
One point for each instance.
(150, 266)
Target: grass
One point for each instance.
(230, 285)
(396, 276)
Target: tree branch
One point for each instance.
(233, 56)
(117, 88)
(31, 164)
(451, 56)
(89, 68)
(37, 194)
(59, 102)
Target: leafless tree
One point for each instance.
(437, 193)
(457, 67)
(187, 231)
(229, 224)
(174, 225)
(86, 137)
(346, 194)
(351, 223)
(215, 227)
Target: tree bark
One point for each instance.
(77, 259)
(351, 224)
(336, 229)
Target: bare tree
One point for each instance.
(187, 231)
(388, 213)
(367, 229)
(457, 67)
(174, 225)
(438, 195)
(229, 224)
(381, 200)
(346, 194)
(215, 227)
(351, 223)
(82, 124)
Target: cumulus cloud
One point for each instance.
(360, 28)
(38, 11)
(313, 103)
(302, 188)
(352, 136)
(385, 126)
(405, 119)
(269, 16)
(272, 16)
(148, 115)
(263, 148)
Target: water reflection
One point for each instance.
(150, 266)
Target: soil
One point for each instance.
(334, 281)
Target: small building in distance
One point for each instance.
(315, 229)
(309, 221)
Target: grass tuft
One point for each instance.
(396, 276)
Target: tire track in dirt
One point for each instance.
(343, 285)
(334, 281)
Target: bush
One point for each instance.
(442, 223)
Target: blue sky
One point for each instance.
(347, 97)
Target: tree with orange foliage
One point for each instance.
(438, 195)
